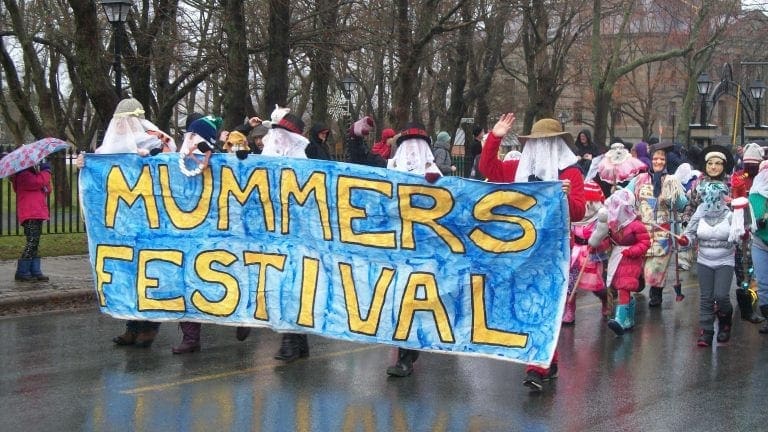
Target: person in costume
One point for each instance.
(586, 264)
(129, 132)
(200, 140)
(620, 226)
(617, 167)
(658, 195)
(741, 184)
(716, 230)
(758, 205)
(32, 187)
(546, 156)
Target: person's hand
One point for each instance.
(502, 127)
(80, 161)
(683, 241)
(566, 186)
(254, 121)
(142, 152)
(602, 215)
(223, 136)
(453, 168)
(587, 156)
(363, 127)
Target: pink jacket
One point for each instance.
(32, 189)
(636, 237)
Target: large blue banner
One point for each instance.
(340, 250)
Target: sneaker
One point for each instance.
(534, 381)
(705, 338)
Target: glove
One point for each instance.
(602, 215)
(601, 230)
(683, 241)
(363, 127)
(155, 151)
(431, 176)
(241, 154)
(204, 147)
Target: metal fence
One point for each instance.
(64, 200)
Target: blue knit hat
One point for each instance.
(206, 128)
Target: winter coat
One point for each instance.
(318, 149)
(630, 268)
(358, 153)
(32, 189)
(442, 155)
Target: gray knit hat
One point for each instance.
(129, 108)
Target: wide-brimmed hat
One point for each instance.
(712, 151)
(547, 128)
(414, 130)
(666, 146)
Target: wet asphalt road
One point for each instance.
(60, 372)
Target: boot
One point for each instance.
(764, 327)
(724, 322)
(569, 317)
(190, 341)
(242, 333)
(127, 338)
(145, 337)
(291, 347)
(631, 313)
(37, 274)
(655, 295)
(621, 322)
(24, 270)
(746, 300)
(705, 338)
(404, 365)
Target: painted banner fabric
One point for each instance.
(345, 251)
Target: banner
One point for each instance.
(340, 250)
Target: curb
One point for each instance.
(34, 298)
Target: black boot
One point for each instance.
(746, 300)
(724, 322)
(404, 365)
(764, 327)
(655, 295)
(291, 347)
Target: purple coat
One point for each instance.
(32, 189)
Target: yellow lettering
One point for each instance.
(310, 269)
(103, 253)
(230, 186)
(315, 183)
(348, 212)
(186, 219)
(118, 189)
(175, 304)
(228, 303)
(430, 303)
(264, 261)
(483, 212)
(443, 203)
(481, 334)
(357, 324)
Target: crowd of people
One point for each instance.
(632, 209)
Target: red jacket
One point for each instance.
(630, 268)
(31, 189)
(497, 171)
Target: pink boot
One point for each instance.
(569, 317)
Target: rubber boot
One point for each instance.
(242, 333)
(764, 327)
(747, 300)
(404, 365)
(655, 295)
(631, 314)
(303, 346)
(621, 322)
(37, 273)
(290, 347)
(724, 322)
(569, 317)
(190, 342)
(24, 270)
(146, 336)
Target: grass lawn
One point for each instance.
(50, 245)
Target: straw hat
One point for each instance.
(546, 128)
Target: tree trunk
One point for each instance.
(237, 103)
(278, 53)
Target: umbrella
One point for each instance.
(29, 155)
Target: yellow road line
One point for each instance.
(271, 365)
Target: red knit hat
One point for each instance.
(593, 192)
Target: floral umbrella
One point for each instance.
(29, 155)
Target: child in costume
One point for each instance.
(619, 224)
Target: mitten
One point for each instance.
(204, 147)
(155, 151)
(683, 241)
(601, 228)
(431, 176)
(626, 252)
(363, 127)
(241, 154)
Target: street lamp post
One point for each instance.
(757, 89)
(348, 84)
(703, 85)
(673, 121)
(117, 13)
(563, 117)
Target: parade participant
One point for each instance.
(617, 167)
(620, 226)
(741, 184)
(413, 155)
(442, 153)
(255, 137)
(758, 204)
(657, 196)
(545, 156)
(200, 139)
(586, 150)
(586, 265)
(32, 187)
(716, 230)
(383, 148)
(317, 148)
(129, 132)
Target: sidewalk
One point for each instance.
(71, 283)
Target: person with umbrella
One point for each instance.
(32, 186)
